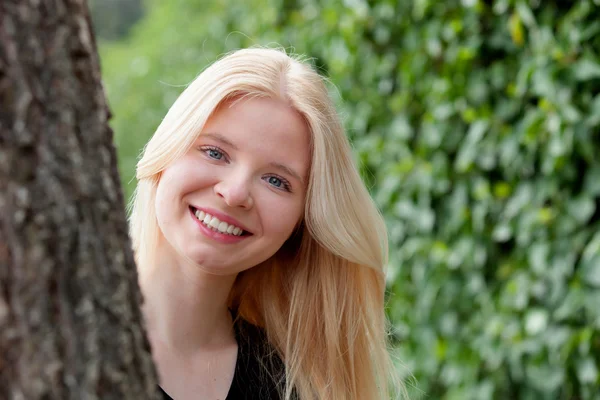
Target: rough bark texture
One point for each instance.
(70, 323)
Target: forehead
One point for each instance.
(264, 127)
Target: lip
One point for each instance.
(217, 236)
(223, 217)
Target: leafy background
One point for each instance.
(476, 127)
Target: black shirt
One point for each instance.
(259, 371)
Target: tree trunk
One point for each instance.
(70, 322)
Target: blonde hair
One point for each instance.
(320, 298)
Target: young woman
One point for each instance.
(260, 253)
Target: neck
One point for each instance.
(184, 307)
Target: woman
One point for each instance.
(260, 253)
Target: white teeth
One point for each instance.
(215, 224)
(223, 227)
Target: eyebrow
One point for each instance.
(282, 167)
(287, 170)
(222, 139)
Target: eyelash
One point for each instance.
(206, 149)
(285, 184)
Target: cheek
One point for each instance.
(163, 204)
(169, 190)
(281, 221)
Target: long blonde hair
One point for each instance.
(320, 298)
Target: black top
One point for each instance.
(258, 370)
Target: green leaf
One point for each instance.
(587, 371)
(586, 69)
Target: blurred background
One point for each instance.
(476, 126)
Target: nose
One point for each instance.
(235, 191)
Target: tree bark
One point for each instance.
(70, 319)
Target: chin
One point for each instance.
(218, 271)
(214, 267)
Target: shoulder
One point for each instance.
(259, 370)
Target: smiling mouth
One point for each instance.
(215, 224)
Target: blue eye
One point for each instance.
(275, 181)
(278, 183)
(216, 154)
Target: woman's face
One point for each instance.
(237, 195)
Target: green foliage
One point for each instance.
(113, 18)
(476, 124)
